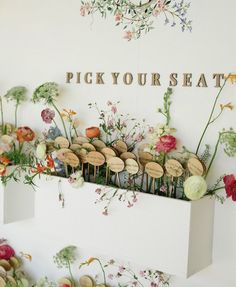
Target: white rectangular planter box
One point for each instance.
(16, 202)
(169, 235)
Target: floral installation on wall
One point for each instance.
(110, 273)
(112, 155)
(137, 18)
(11, 273)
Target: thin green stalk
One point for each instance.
(218, 188)
(16, 114)
(63, 123)
(103, 271)
(211, 114)
(2, 116)
(71, 276)
(55, 123)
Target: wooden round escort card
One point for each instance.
(99, 144)
(116, 164)
(142, 147)
(86, 281)
(95, 158)
(62, 152)
(75, 147)
(174, 168)
(83, 155)
(131, 166)
(145, 157)
(154, 169)
(71, 159)
(120, 146)
(195, 166)
(2, 282)
(61, 142)
(88, 146)
(125, 155)
(108, 153)
(81, 140)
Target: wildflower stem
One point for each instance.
(103, 271)
(214, 155)
(63, 123)
(2, 116)
(71, 276)
(16, 114)
(211, 114)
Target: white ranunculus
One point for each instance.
(41, 151)
(195, 187)
(76, 179)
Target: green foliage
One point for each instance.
(228, 139)
(47, 93)
(44, 282)
(206, 154)
(65, 257)
(165, 111)
(17, 95)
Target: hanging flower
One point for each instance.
(195, 187)
(166, 144)
(230, 186)
(6, 251)
(47, 115)
(24, 134)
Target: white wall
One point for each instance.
(42, 40)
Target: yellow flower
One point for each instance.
(231, 77)
(89, 261)
(26, 256)
(228, 106)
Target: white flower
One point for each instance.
(41, 151)
(195, 187)
(76, 179)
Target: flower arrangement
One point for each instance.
(16, 143)
(138, 18)
(10, 267)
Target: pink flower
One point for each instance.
(166, 144)
(230, 186)
(121, 269)
(105, 212)
(98, 190)
(109, 103)
(142, 273)
(47, 115)
(114, 109)
(135, 199)
(139, 137)
(6, 252)
(130, 204)
(128, 35)
(118, 17)
(110, 276)
(85, 9)
(163, 189)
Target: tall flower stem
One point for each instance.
(214, 155)
(2, 116)
(103, 271)
(211, 114)
(63, 123)
(16, 114)
(71, 275)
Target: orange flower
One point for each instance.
(24, 134)
(50, 162)
(92, 132)
(228, 106)
(2, 169)
(39, 169)
(4, 160)
(231, 77)
(68, 113)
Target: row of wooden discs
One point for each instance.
(9, 265)
(84, 281)
(118, 158)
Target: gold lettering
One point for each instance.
(115, 77)
(156, 79)
(128, 78)
(88, 78)
(187, 80)
(142, 78)
(218, 77)
(78, 78)
(173, 79)
(99, 79)
(69, 76)
(202, 82)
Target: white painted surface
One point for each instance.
(41, 40)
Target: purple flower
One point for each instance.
(47, 115)
(110, 276)
(139, 137)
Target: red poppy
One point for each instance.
(50, 162)
(25, 134)
(39, 169)
(230, 186)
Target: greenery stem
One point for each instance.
(16, 114)
(103, 271)
(218, 188)
(2, 116)
(71, 276)
(63, 123)
(214, 155)
(211, 114)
